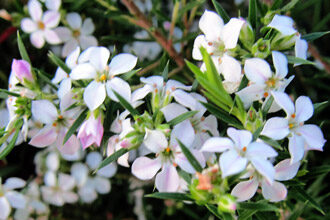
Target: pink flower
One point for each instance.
(22, 70)
(91, 131)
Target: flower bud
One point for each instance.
(227, 204)
(246, 35)
(22, 70)
(282, 42)
(91, 132)
(261, 48)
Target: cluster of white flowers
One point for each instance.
(68, 117)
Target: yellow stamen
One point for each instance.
(60, 117)
(293, 115)
(76, 33)
(168, 150)
(266, 94)
(41, 25)
(244, 149)
(103, 77)
(291, 125)
(54, 124)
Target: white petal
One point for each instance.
(217, 144)
(121, 87)
(264, 167)
(94, 95)
(145, 168)
(71, 146)
(44, 111)
(185, 99)
(37, 39)
(83, 71)
(241, 138)
(60, 74)
(158, 81)
(200, 41)
(280, 64)
(63, 33)
(66, 182)
(52, 161)
(168, 179)
(70, 197)
(72, 60)
(284, 170)
(102, 185)
(80, 173)
(283, 24)
(257, 70)
(231, 32)
(210, 124)
(87, 27)
(74, 20)
(185, 165)
(172, 85)
(259, 149)
(99, 57)
(14, 183)
(141, 93)
(51, 37)
(231, 163)
(211, 25)
(304, 109)
(231, 69)
(251, 93)
(172, 111)
(155, 140)
(245, 190)
(35, 10)
(301, 47)
(50, 178)
(296, 148)
(93, 160)
(87, 193)
(69, 46)
(16, 200)
(4, 208)
(87, 41)
(28, 25)
(187, 137)
(283, 100)
(45, 137)
(122, 63)
(276, 128)
(65, 88)
(108, 171)
(274, 192)
(51, 19)
(53, 4)
(313, 135)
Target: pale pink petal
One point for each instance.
(63, 33)
(16, 200)
(264, 167)
(155, 140)
(284, 170)
(172, 111)
(44, 111)
(53, 4)
(74, 20)
(260, 149)
(51, 19)
(65, 87)
(121, 87)
(231, 163)
(283, 24)
(185, 165)
(304, 109)
(45, 137)
(172, 85)
(274, 192)
(168, 179)
(217, 144)
(66, 182)
(122, 63)
(210, 124)
(37, 39)
(35, 10)
(241, 138)
(83, 71)
(185, 99)
(87, 41)
(28, 25)
(251, 93)
(313, 135)
(155, 81)
(87, 27)
(5, 208)
(257, 70)
(296, 148)
(51, 37)
(276, 128)
(283, 100)
(245, 190)
(231, 32)
(71, 146)
(145, 168)
(280, 64)
(187, 137)
(211, 25)
(69, 47)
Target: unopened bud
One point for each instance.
(22, 70)
(227, 204)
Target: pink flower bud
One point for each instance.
(22, 70)
(91, 132)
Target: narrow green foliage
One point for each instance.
(174, 196)
(126, 104)
(42, 75)
(10, 93)
(290, 5)
(190, 6)
(267, 106)
(190, 157)
(10, 146)
(297, 60)
(130, 74)
(314, 36)
(319, 107)
(165, 71)
(58, 62)
(182, 117)
(112, 158)
(225, 17)
(213, 210)
(271, 142)
(258, 206)
(22, 49)
(277, 4)
(252, 18)
(75, 125)
(302, 195)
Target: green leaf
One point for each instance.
(252, 18)
(190, 6)
(297, 60)
(267, 106)
(130, 74)
(42, 75)
(10, 93)
(22, 49)
(318, 107)
(246, 214)
(303, 196)
(10, 146)
(182, 117)
(58, 62)
(112, 158)
(221, 11)
(75, 125)
(276, 4)
(175, 196)
(125, 104)
(271, 142)
(190, 157)
(314, 36)
(290, 5)
(222, 115)
(165, 71)
(214, 211)
(319, 170)
(258, 206)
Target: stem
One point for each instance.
(141, 21)
(107, 5)
(315, 53)
(148, 68)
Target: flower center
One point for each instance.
(271, 83)
(244, 149)
(76, 33)
(291, 125)
(103, 77)
(41, 25)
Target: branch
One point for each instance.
(141, 21)
(315, 53)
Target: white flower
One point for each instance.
(10, 198)
(301, 137)
(41, 25)
(168, 156)
(275, 191)
(93, 65)
(79, 33)
(263, 81)
(239, 150)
